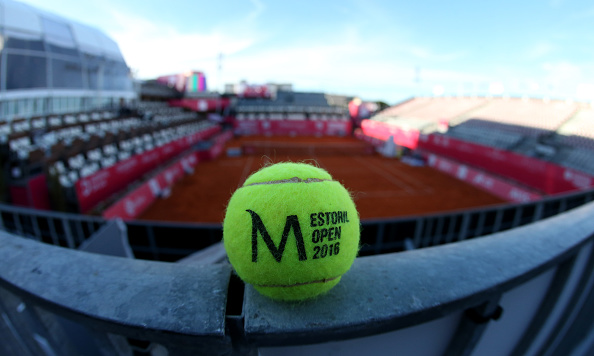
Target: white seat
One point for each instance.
(64, 181)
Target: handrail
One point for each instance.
(187, 306)
(392, 291)
(167, 241)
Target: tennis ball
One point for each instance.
(291, 231)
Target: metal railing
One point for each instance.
(165, 241)
(528, 290)
(398, 234)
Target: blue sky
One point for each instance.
(378, 50)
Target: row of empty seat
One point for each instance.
(77, 145)
(526, 116)
(432, 108)
(291, 117)
(579, 131)
(485, 133)
(246, 109)
(87, 163)
(26, 144)
(580, 159)
(506, 123)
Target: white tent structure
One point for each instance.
(51, 65)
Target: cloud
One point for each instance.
(153, 49)
(562, 71)
(539, 50)
(430, 55)
(259, 8)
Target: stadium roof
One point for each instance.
(19, 19)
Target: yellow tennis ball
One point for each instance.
(291, 231)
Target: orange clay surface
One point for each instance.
(381, 187)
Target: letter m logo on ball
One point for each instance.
(277, 252)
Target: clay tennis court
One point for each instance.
(381, 187)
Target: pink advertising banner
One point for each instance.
(383, 131)
(138, 200)
(535, 173)
(495, 185)
(97, 187)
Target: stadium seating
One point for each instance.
(76, 145)
(553, 130)
(294, 106)
(433, 109)
(486, 133)
(529, 117)
(579, 130)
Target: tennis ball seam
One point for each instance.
(291, 180)
(324, 280)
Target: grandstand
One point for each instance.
(86, 152)
(550, 130)
(297, 106)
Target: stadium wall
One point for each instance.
(383, 131)
(99, 186)
(480, 179)
(32, 192)
(537, 174)
(138, 200)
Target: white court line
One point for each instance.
(407, 177)
(387, 176)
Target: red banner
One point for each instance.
(541, 175)
(482, 180)
(97, 187)
(32, 193)
(138, 200)
(293, 127)
(376, 142)
(253, 91)
(535, 173)
(383, 131)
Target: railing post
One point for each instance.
(68, 233)
(53, 232)
(498, 220)
(379, 238)
(538, 209)
(38, 234)
(517, 216)
(480, 225)
(419, 225)
(438, 236)
(462, 235)
(17, 223)
(451, 228)
(153, 244)
(426, 241)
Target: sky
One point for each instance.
(385, 50)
